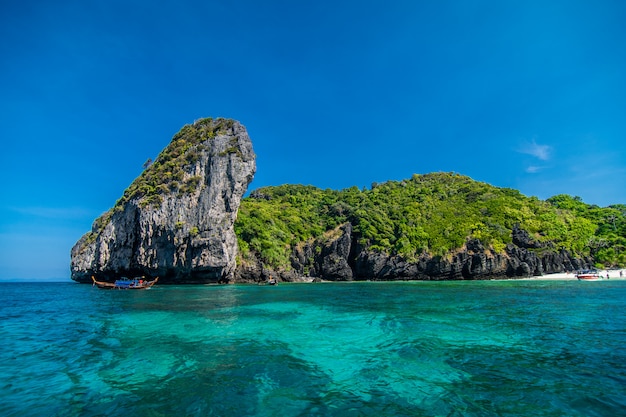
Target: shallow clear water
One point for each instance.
(491, 348)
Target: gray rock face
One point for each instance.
(176, 220)
(326, 257)
(339, 259)
(323, 258)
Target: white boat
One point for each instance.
(588, 276)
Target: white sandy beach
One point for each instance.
(612, 274)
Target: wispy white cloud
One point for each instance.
(533, 169)
(542, 152)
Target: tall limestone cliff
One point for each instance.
(176, 219)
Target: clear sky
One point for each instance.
(526, 94)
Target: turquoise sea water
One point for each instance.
(491, 348)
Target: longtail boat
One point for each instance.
(125, 284)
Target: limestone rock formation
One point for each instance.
(323, 258)
(336, 257)
(326, 257)
(176, 220)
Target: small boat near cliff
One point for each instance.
(125, 284)
(588, 276)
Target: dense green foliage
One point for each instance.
(608, 245)
(432, 214)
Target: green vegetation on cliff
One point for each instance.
(431, 214)
(608, 244)
(170, 172)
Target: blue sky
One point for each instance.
(529, 95)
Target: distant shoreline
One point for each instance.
(613, 274)
(34, 280)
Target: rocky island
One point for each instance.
(184, 219)
(176, 220)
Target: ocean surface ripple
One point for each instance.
(489, 348)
